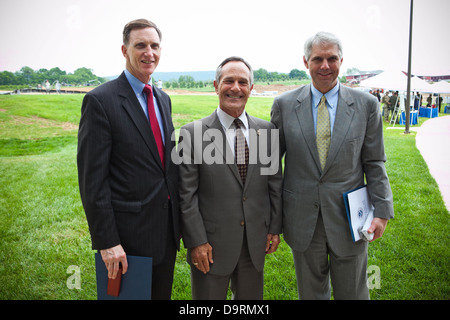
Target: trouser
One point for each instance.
(386, 113)
(245, 281)
(318, 263)
(162, 274)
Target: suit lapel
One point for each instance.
(253, 147)
(213, 122)
(344, 116)
(131, 104)
(305, 118)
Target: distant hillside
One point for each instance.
(168, 76)
(197, 75)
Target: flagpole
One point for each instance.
(408, 97)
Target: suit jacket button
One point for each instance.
(244, 198)
(242, 223)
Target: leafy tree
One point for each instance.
(297, 74)
(263, 75)
(26, 74)
(7, 78)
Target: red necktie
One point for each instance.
(154, 122)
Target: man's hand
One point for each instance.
(273, 240)
(201, 257)
(378, 225)
(112, 257)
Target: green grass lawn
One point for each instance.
(44, 231)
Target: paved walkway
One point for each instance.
(433, 142)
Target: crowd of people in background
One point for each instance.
(389, 99)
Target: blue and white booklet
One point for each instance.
(359, 213)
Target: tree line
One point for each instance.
(186, 82)
(85, 77)
(260, 75)
(28, 76)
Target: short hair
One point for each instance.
(233, 58)
(321, 38)
(138, 24)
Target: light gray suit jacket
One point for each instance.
(356, 152)
(217, 208)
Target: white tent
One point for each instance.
(420, 85)
(396, 80)
(441, 87)
(389, 80)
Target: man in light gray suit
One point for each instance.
(229, 221)
(347, 149)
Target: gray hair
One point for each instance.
(234, 58)
(322, 38)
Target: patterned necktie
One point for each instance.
(241, 153)
(323, 134)
(154, 122)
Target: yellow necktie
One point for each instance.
(323, 134)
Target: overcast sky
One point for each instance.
(199, 34)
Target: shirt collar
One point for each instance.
(135, 83)
(332, 96)
(227, 121)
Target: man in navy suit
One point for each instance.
(128, 187)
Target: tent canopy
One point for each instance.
(420, 85)
(396, 80)
(441, 87)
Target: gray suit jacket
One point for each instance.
(356, 152)
(217, 208)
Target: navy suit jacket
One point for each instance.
(127, 195)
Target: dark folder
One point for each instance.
(136, 284)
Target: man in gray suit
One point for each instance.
(230, 216)
(319, 168)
